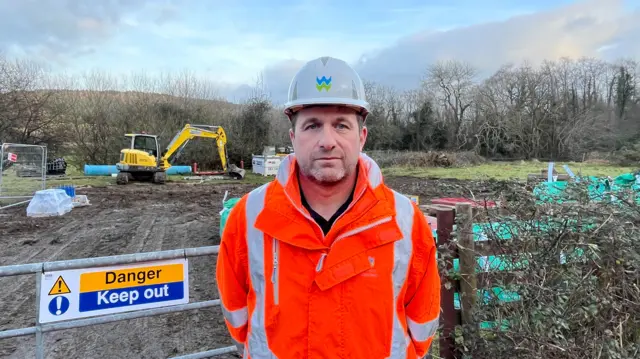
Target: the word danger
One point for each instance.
(132, 277)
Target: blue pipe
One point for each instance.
(108, 170)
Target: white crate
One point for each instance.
(265, 165)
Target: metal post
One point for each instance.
(1, 166)
(39, 334)
(44, 168)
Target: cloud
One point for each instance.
(572, 31)
(598, 28)
(232, 43)
(54, 29)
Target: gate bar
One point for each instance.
(209, 353)
(22, 332)
(78, 323)
(20, 269)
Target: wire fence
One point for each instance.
(23, 171)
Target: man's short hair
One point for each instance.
(294, 119)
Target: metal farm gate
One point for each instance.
(88, 267)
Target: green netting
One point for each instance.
(509, 229)
(598, 188)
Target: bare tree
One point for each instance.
(452, 83)
(30, 109)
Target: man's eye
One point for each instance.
(342, 126)
(309, 127)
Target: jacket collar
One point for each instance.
(368, 169)
(285, 218)
(369, 177)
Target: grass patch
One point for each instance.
(506, 170)
(13, 185)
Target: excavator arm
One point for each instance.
(190, 132)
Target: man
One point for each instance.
(326, 261)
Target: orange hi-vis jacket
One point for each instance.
(369, 289)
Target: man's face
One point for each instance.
(327, 142)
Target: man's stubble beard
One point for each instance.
(319, 175)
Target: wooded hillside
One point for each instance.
(560, 110)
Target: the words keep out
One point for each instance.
(130, 296)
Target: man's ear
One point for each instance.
(363, 137)
(292, 135)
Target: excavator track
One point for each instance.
(159, 177)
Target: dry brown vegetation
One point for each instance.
(575, 267)
(425, 159)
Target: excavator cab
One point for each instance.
(144, 142)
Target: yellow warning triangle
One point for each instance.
(59, 287)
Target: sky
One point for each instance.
(233, 43)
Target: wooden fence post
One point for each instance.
(466, 253)
(448, 317)
(502, 205)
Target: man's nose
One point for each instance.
(327, 138)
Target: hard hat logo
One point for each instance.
(346, 89)
(323, 83)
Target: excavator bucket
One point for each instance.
(236, 172)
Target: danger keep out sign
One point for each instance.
(80, 293)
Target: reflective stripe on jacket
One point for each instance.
(374, 292)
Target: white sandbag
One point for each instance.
(49, 202)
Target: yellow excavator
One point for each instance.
(142, 161)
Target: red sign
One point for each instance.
(12, 157)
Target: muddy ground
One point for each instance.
(132, 219)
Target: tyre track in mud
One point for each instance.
(21, 308)
(143, 232)
(25, 305)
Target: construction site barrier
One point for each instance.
(23, 171)
(39, 268)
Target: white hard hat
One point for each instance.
(326, 81)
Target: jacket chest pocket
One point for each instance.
(341, 272)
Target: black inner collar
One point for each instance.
(322, 222)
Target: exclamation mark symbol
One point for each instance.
(59, 288)
(58, 305)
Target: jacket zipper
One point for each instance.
(275, 275)
(320, 262)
